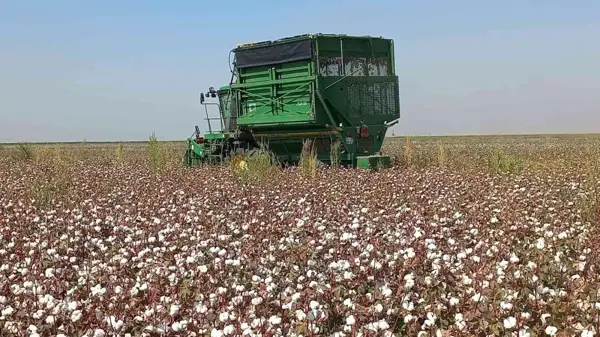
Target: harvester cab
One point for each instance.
(222, 138)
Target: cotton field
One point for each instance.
(91, 245)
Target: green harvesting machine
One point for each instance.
(339, 92)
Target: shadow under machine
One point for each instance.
(330, 89)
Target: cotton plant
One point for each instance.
(431, 254)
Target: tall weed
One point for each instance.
(335, 153)
(308, 159)
(441, 155)
(54, 182)
(254, 167)
(500, 162)
(158, 158)
(23, 152)
(120, 154)
(408, 152)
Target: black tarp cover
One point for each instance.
(262, 56)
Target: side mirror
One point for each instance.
(201, 98)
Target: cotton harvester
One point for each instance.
(331, 89)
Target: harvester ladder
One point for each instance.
(216, 153)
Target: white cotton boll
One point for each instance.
(509, 322)
(257, 322)
(134, 291)
(201, 308)
(550, 330)
(114, 323)
(216, 333)
(431, 318)
(149, 312)
(275, 320)
(8, 311)
(72, 305)
(386, 292)
(99, 333)
(177, 326)
(540, 243)
(544, 317)
(229, 330)
(38, 314)
(49, 272)
(587, 333)
(383, 325)
(76, 315)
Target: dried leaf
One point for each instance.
(301, 329)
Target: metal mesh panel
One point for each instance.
(323, 145)
(369, 98)
(365, 145)
(353, 66)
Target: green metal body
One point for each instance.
(319, 87)
(373, 162)
(198, 153)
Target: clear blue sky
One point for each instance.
(116, 70)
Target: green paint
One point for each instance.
(373, 162)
